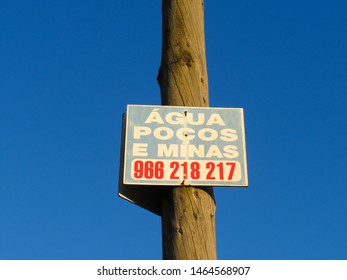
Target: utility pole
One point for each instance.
(188, 213)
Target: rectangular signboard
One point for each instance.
(171, 145)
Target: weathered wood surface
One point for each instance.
(188, 213)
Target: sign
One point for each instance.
(196, 146)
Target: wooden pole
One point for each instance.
(188, 213)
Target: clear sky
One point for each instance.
(68, 69)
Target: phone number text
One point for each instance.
(185, 170)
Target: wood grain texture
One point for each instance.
(183, 74)
(188, 213)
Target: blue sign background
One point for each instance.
(140, 134)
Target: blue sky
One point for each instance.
(68, 69)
